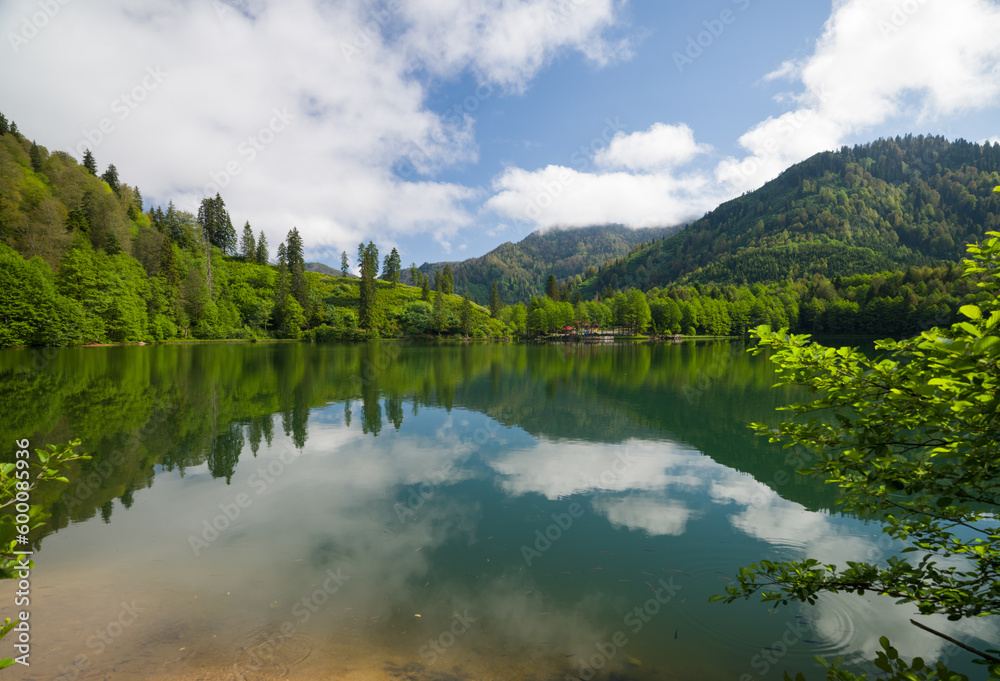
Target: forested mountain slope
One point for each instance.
(520, 269)
(885, 205)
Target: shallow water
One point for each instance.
(390, 512)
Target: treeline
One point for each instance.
(889, 204)
(81, 263)
(893, 304)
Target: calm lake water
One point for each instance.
(405, 512)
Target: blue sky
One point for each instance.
(445, 127)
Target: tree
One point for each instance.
(298, 283)
(111, 177)
(438, 313)
(89, 163)
(368, 293)
(262, 255)
(447, 280)
(910, 437)
(425, 288)
(345, 265)
(216, 225)
(37, 157)
(248, 247)
(465, 315)
(4, 126)
(552, 288)
(495, 304)
(391, 267)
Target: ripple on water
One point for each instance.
(266, 653)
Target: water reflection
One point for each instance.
(461, 512)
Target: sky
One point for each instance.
(444, 128)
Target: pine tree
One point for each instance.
(495, 304)
(4, 126)
(13, 129)
(249, 246)
(111, 177)
(552, 288)
(217, 225)
(37, 158)
(368, 294)
(390, 268)
(447, 280)
(345, 265)
(298, 283)
(89, 163)
(262, 254)
(425, 288)
(168, 263)
(438, 313)
(466, 315)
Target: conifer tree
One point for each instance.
(466, 315)
(249, 246)
(495, 304)
(37, 158)
(4, 126)
(298, 283)
(391, 266)
(447, 280)
(552, 288)
(425, 288)
(368, 294)
(262, 254)
(89, 163)
(345, 265)
(111, 177)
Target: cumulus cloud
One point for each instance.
(662, 146)
(877, 60)
(298, 112)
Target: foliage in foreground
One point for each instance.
(17, 481)
(910, 436)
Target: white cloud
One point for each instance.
(653, 516)
(351, 75)
(557, 196)
(662, 146)
(877, 60)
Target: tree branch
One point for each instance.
(980, 653)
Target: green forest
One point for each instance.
(886, 205)
(521, 269)
(861, 241)
(82, 263)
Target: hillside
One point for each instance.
(80, 263)
(881, 206)
(521, 269)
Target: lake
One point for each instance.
(384, 511)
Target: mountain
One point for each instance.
(521, 269)
(889, 204)
(326, 269)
